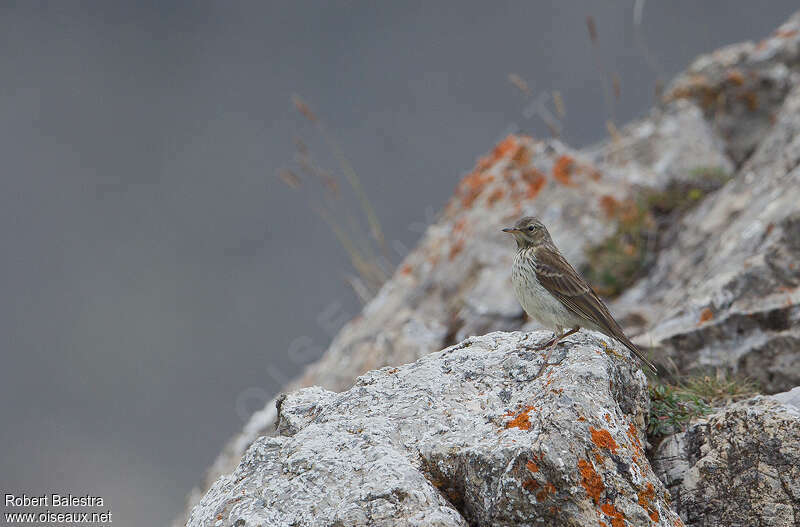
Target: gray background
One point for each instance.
(158, 281)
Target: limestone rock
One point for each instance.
(456, 282)
(741, 87)
(466, 436)
(739, 467)
(725, 292)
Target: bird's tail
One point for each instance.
(636, 351)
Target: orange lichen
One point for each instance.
(405, 269)
(645, 500)
(483, 163)
(750, 99)
(522, 420)
(581, 419)
(735, 77)
(521, 155)
(607, 417)
(535, 182)
(530, 485)
(471, 187)
(705, 315)
(598, 457)
(698, 87)
(633, 437)
(496, 195)
(546, 491)
(533, 467)
(459, 225)
(610, 205)
(616, 515)
(456, 248)
(591, 480)
(507, 145)
(603, 439)
(562, 170)
(602, 523)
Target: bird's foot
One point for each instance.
(542, 368)
(546, 363)
(541, 347)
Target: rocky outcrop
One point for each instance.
(713, 283)
(725, 292)
(455, 283)
(741, 87)
(738, 467)
(471, 435)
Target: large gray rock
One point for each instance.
(739, 467)
(466, 436)
(724, 293)
(741, 87)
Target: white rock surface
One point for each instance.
(466, 436)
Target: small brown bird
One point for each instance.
(553, 293)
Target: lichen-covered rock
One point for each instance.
(456, 282)
(741, 87)
(723, 288)
(467, 436)
(724, 293)
(739, 467)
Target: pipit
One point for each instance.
(553, 293)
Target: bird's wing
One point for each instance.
(557, 276)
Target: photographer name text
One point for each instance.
(53, 500)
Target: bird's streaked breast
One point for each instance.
(537, 301)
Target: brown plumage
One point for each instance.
(552, 292)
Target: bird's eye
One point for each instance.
(530, 227)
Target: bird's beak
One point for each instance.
(510, 229)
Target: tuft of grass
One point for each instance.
(719, 389)
(365, 245)
(624, 256)
(673, 406)
(617, 261)
(671, 410)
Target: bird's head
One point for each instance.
(529, 232)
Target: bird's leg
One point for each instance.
(555, 341)
(546, 344)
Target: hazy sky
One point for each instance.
(158, 281)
